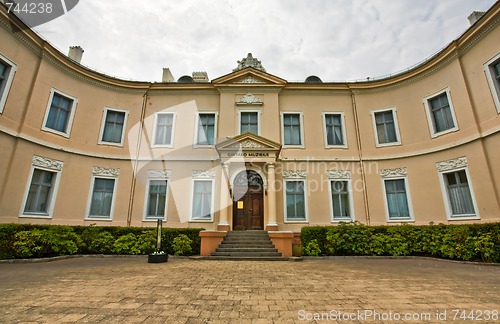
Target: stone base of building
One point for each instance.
(210, 241)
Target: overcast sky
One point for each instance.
(337, 40)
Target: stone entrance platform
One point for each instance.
(130, 290)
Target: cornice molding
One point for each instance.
(457, 163)
(338, 174)
(106, 172)
(391, 173)
(291, 174)
(47, 163)
(203, 174)
(159, 174)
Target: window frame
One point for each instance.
(212, 201)
(155, 130)
(396, 127)
(411, 217)
(306, 206)
(493, 84)
(146, 217)
(352, 217)
(302, 137)
(5, 89)
(446, 197)
(258, 111)
(342, 124)
(113, 199)
(53, 195)
(196, 129)
(101, 141)
(70, 117)
(430, 116)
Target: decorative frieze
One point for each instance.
(289, 174)
(460, 162)
(249, 99)
(106, 172)
(249, 79)
(47, 163)
(162, 174)
(397, 172)
(206, 174)
(339, 174)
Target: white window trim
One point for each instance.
(89, 200)
(446, 197)
(197, 121)
(306, 204)
(351, 201)
(408, 199)
(8, 81)
(494, 87)
(70, 118)
(342, 122)
(302, 145)
(52, 199)
(212, 200)
(258, 111)
(174, 122)
(146, 199)
(430, 117)
(103, 125)
(396, 127)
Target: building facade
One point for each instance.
(249, 150)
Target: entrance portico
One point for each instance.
(248, 163)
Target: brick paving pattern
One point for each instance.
(129, 290)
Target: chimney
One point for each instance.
(167, 76)
(200, 77)
(75, 53)
(475, 16)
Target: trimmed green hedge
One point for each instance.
(457, 242)
(38, 241)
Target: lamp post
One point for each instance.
(158, 256)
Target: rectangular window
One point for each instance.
(40, 192)
(386, 132)
(334, 130)
(292, 129)
(202, 200)
(295, 200)
(340, 200)
(113, 126)
(397, 200)
(164, 129)
(7, 71)
(440, 113)
(459, 194)
(157, 199)
(249, 122)
(492, 71)
(206, 129)
(102, 197)
(59, 113)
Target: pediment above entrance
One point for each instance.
(249, 146)
(249, 77)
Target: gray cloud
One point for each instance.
(334, 39)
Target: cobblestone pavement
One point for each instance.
(129, 290)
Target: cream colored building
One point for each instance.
(249, 150)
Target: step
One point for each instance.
(245, 249)
(250, 254)
(248, 258)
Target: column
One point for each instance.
(271, 198)
(224, 199)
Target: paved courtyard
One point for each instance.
(344, 290)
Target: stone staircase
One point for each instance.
(247, 246)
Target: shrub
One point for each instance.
(54, 241)
(182, 244)
(312, 248)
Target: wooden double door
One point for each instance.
(248, 203)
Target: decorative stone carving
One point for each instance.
(247, 144)
(249, 99)
(208, 174)
(339, 174)
(248, 178)
(249, 61)
(289, 174)
(47, 163)
(159, 174)
(107, 172)
(250, 79)
(452, 164)
(397, 172)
